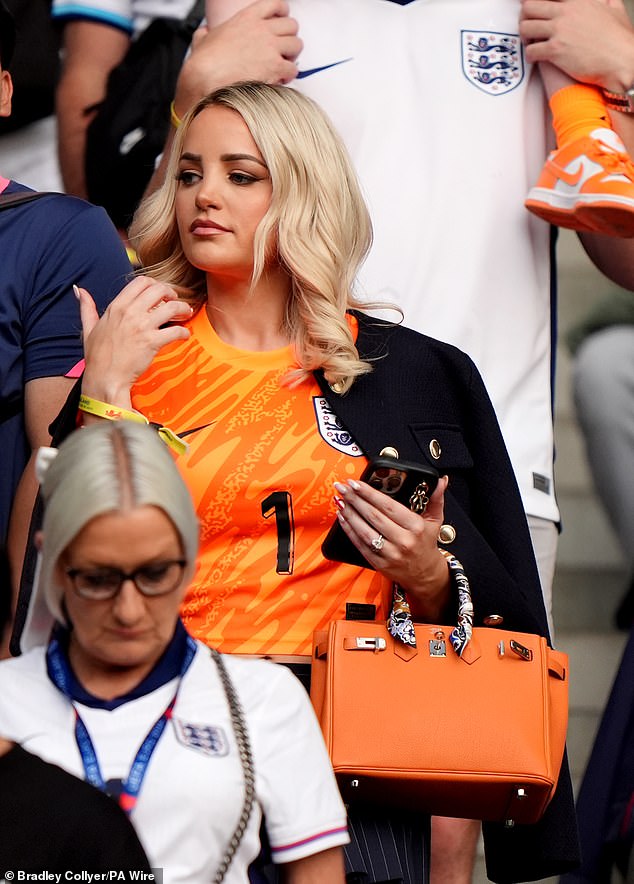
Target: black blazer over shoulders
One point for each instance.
(422, 391)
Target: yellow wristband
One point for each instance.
(110, 412)
(114, 413)
(176, 120)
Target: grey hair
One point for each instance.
(109, 467)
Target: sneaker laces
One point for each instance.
(615, 161)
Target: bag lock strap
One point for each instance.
(364, 643)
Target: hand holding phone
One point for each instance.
(411, 484)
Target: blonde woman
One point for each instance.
(245, 339)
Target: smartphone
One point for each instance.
(412, 484)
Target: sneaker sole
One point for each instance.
(608, 214)
(556, 215)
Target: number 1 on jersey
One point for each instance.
(280, 504)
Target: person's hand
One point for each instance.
(590, 40)
(409, 555)
(259, 42)
(120, 346)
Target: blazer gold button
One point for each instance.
(493, 620)
(388, 452)
(337, 387)
(447, 534)
(435, 449)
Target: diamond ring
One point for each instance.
(378, 543)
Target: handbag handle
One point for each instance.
(401, 626)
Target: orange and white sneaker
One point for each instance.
(587, 185)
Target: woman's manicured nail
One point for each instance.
(354, 484)
(342, 489)
(339, 503)
(77, 292)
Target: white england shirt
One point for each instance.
(193, 790)
(447, 126)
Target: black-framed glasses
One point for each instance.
(155, 578)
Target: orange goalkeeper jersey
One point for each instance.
(261, 465)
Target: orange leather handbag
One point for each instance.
(480, 735)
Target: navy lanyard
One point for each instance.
(60, 674)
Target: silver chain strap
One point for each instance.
(246, 759)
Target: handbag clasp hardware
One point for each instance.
(520, 650)
(370, 643)
(437, 644)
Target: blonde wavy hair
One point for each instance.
(317, 217)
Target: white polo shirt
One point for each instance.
(192, 793)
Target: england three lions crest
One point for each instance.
(491, 61)
(331, 429)
(205, 738)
